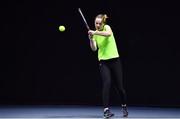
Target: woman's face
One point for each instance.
(99, 24)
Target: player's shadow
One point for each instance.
(83, 116)
(75, 116)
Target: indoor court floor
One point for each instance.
(84, 112)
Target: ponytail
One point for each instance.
(104, 18)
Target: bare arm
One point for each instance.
(103, 33)
(108, 32)
(92, 43)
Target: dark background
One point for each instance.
(40, 65)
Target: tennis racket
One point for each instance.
(85, 22)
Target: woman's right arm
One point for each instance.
(92, 43)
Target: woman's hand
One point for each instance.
(90, 36)
(91, 32)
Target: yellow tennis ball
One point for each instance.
(62, 28)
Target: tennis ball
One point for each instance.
(62, 28)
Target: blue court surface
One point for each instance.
(84, 112)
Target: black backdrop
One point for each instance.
(40, 65)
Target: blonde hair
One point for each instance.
(103, 17)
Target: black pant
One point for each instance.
(111, 70)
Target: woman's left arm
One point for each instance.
(107, 32)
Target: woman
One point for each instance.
(110, 66)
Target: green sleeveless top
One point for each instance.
(107, 48)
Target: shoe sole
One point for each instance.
(108, 116)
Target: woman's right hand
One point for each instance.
(90, 36)
(91, 32)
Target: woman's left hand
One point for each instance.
(91, 32)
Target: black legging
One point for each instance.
(112, 70)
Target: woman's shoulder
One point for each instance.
(106, 25)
